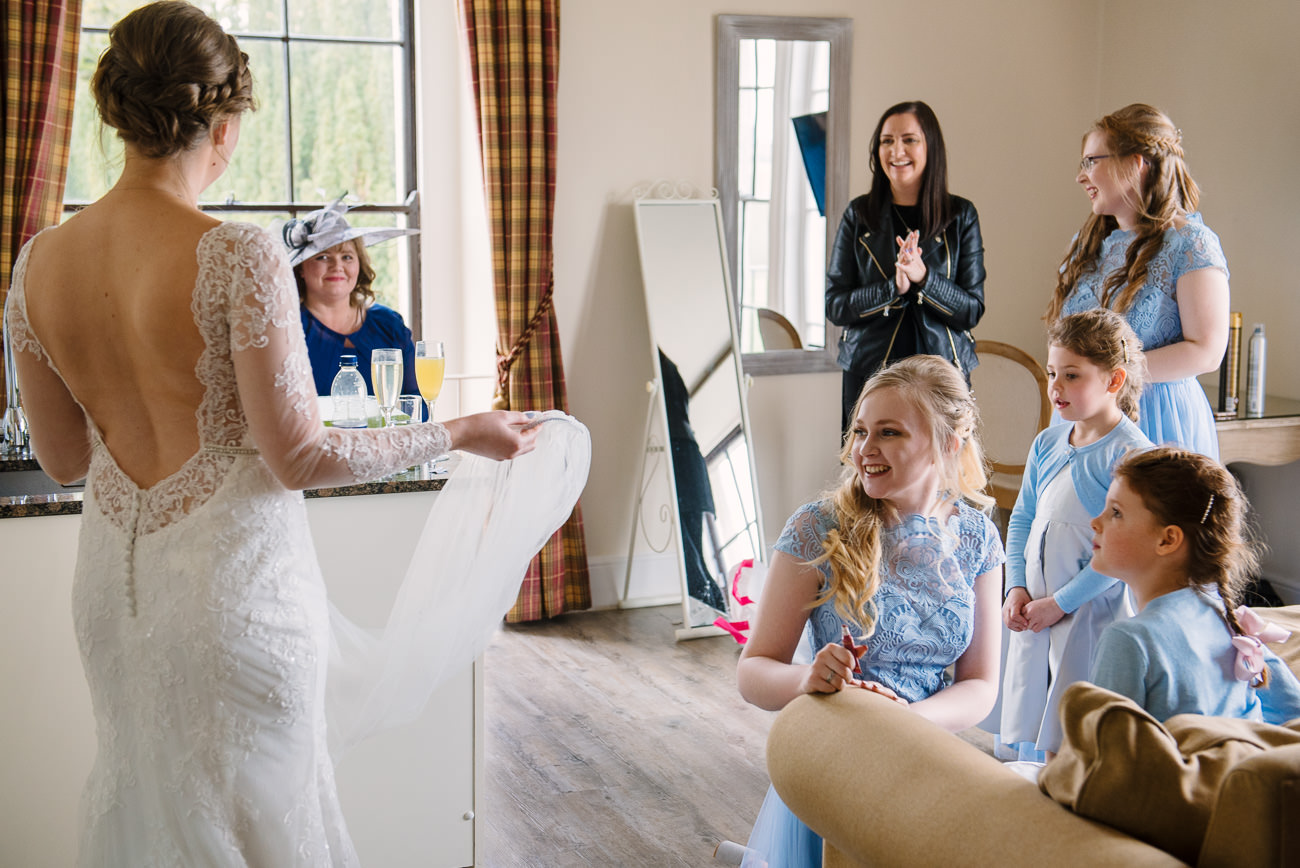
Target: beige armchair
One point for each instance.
(883, 787)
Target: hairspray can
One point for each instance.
(1255, 373)
(1230, 370)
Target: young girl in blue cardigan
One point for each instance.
(1056, 603)
(1173, 530)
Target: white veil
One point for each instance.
(486, 525)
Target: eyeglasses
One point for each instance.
(1086, 164)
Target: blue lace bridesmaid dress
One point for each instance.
(1176, 412)
(925, 619)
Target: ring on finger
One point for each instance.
(827, 678)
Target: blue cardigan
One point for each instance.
(1176, 657)
(1090, 470)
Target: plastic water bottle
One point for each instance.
(1255, 373)
(348, 392)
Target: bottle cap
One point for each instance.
(346, 360)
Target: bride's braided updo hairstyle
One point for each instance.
(169, 74)
(1165, 194)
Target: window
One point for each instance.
(333, 82)
(781, 232)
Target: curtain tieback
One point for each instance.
(501, 401)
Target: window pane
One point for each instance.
(766, 62)
(235, 16)
(763, 146)
(755, 254)
(371, 19)
(244, 16)
(95, 151)
(345, 131)
(257, 171)
(745, 162)
(748, 63)
(102, 13)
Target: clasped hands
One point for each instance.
(1020, 612)
(832, 670)
(908, 267)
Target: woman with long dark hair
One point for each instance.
(906, 274)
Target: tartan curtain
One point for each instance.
(514, 53)
(39, 55)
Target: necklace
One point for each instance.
(901, 219)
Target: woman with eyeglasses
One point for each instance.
(906, 274)
(1145, 252)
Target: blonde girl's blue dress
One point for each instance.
(1176, 412)
(925, 611)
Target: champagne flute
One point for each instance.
(430, 368)
(386, 374)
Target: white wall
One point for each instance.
(1227, 75)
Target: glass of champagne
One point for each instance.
(386, 374)
(430, 368)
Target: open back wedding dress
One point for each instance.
(209, 645)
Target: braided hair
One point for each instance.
(1164, 195)
(1202, 499)
(169, 75)
(1105, 338)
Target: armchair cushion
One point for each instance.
(1159, 783)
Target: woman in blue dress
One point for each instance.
(339, 313)
(1146, 253)
(901, 554)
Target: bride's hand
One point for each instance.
(497, 434)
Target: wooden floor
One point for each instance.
(610, 744)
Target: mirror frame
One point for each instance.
(657, 432)
(731, 29)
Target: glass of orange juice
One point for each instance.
(430, 368)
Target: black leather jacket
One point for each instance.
(880, 326)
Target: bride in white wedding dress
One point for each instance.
(161, 356)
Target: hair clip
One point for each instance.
(1123, 343)
(1208, 507)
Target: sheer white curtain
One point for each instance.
(796, 233)
(456, 259)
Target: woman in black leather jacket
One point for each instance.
(907, 270)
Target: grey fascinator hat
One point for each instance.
(326, 228)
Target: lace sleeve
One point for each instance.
(60, 434)
(274, 380)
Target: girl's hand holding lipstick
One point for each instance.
(857, 651)
(833, 667)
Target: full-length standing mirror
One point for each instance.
(782, 171)
(698, 418)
